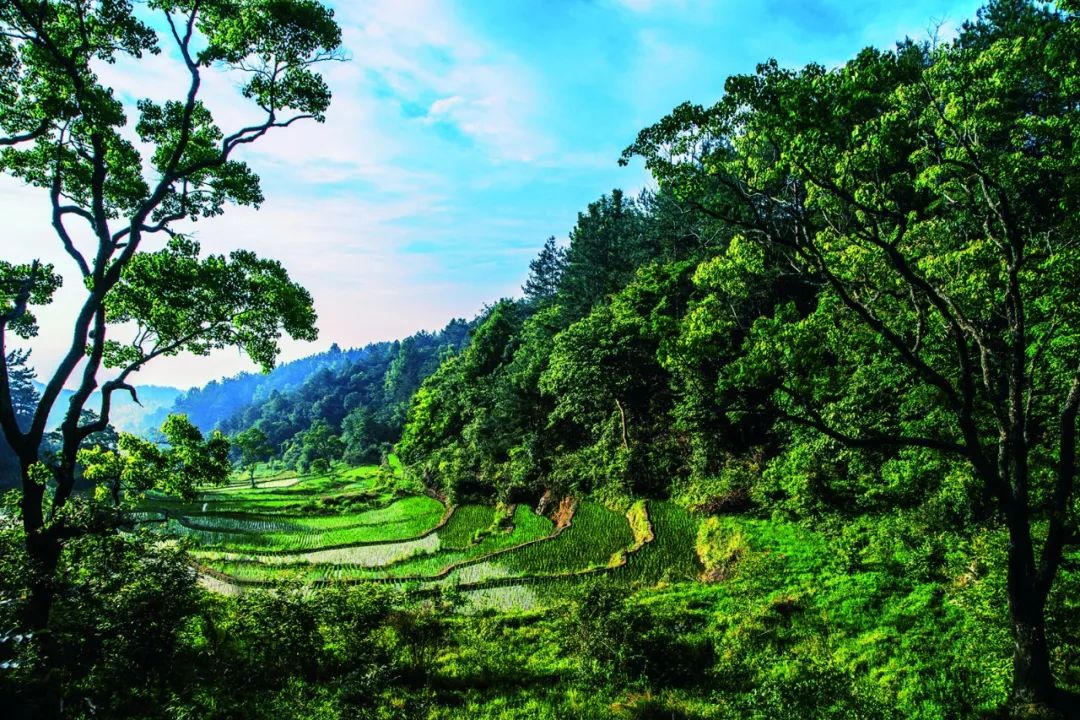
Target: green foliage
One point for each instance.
(253, 447)
(361, 394)
(545, 274)
(878, 337)
(718, 550)
(64, 131)
(812, 623)
(183, 303)
(445, 426)
(122, 609)
(24, 400)
(606, 246)
(186, 463)
(22, 286)
(316, 448)
(843, 331)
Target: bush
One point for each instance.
(719, 548)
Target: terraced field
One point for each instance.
(361, 525)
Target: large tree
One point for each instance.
(934, 195)
(118, 190)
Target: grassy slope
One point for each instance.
(794, 626)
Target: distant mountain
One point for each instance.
(146, 418)
(209, 406)
(371, 385)
(126, 415)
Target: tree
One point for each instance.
(183, 463)
(932, 195)
(63, 131)
(607, 244)
(545, 273)
(24, 399)
(357, 437)
(611, 398)
(253, 447)
(456, 435)
(318, 446)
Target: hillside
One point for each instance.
(338, 404)
(726, 617)
(791, 434)
(363, 524)
(219, 400)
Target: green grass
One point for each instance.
(517, 597)
(670, 556)
(352, 525)
(594, 535)
(402, 520)
(527, 527)
(465, 523)
(393, 561)
(398, 511)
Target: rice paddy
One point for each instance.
(359, 525)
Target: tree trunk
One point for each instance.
(43, 551)
(1033, 683)
(622, 418)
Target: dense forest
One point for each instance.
(217, 401)
(339, 405)
(836, 351)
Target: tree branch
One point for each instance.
(1058, 534)
(58, 218)
(41, 129)
(814, 420)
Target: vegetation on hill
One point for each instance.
(792, 436)
(339, 405)
(851, 303)
(219, 400)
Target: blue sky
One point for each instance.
(461, 136)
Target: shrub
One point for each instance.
(719, 548)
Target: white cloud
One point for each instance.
(451, 148)
(351, 249)
(485, 92)
(442, 106)
(647, 6)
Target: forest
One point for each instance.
(792, 434)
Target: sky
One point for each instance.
(462, 134)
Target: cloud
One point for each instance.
(648, 6)
(484, 91)
(443, 106)
(356, 258)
